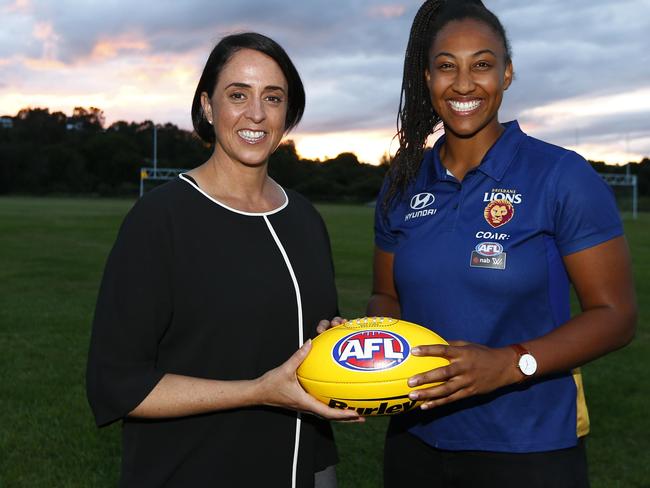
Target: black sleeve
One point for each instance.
(133, 310)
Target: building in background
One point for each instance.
(6, 122)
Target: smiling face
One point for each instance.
(467, 75)
(248, 108)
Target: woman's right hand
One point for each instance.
(279, 387)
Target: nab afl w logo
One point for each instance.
(370, 350)
(489, 249)
(422, 200)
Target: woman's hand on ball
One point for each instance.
(473, 370)
(323, 325)
(279, 387)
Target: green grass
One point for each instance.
(52, 252)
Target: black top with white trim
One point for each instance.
(195, 288)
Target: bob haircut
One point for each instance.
(221, 54)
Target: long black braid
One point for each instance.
(416, 118)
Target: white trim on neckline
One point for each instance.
(241, 212)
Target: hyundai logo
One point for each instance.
(422, 200)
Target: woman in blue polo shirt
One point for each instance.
(479, 239)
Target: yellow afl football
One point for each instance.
(364, 365)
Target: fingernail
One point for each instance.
(424, 406)
(415, 350)
(413, 395)
(413, 382)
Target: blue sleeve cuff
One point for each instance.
(590, 241)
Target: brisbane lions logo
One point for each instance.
(498, 212)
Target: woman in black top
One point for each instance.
(214, 281)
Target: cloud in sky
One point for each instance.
(581, 66)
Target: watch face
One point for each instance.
(527, 364)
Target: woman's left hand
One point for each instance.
(323, 325)
(473, 370)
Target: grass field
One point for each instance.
(51, 256)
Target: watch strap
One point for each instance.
(519, 349)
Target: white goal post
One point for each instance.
(623, 179)
(160, 174)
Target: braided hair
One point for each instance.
(416, 118)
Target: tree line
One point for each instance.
(52, 153)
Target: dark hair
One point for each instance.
(416, 118)
(221, 54)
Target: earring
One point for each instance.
(210, 122)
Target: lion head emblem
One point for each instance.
(498, 212)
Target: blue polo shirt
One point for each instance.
(481, 260)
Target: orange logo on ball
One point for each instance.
(498, 212)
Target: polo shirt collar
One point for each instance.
(496, 161)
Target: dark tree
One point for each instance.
(52, 153)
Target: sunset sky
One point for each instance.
(582, 67)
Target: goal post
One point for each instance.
(158, 174)
(618, 182)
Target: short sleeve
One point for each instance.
(132, 312)
(585, 212)
(385, 236)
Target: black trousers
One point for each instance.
(410, 462)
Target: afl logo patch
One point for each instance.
(370, 350)
(422, 200)
(498, 212)
(489, 249)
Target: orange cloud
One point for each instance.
(43, 64)
(110, 48)
(174, 72)
(17, 6)
(589, 106)
(613, 152)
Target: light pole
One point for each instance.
(155, 148)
